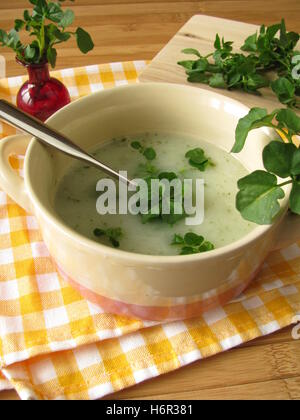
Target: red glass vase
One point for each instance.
(42, 95)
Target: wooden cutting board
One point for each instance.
(200, 32)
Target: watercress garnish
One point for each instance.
(273, 48)
(197, 159)
(112, 234)
(191, 243)
(260, 192)
(47, 23)
(156, 212)
(148, 152)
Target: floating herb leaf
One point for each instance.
(191, 243)
(197, 159)
(112, 234)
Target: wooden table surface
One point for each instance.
(268, 368)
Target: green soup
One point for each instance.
(76, 196)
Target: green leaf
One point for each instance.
(187, 64)
(188, 250)
(289, 119)
(51, 56)
(191, 51)
(254, 119)
(250, 43)
(29, 53)
(19, 24)
(68, 18)
(278, 157)
(198, 78)
(206, 246)
(192, 239)
(217, 81)
(257, 200)
(177, 240)
(197, 158)
(136, 145)
(217, 43)
(295, 169)
(149, 153)
(284, 89)
(168, 176)
(84, 41)
(295, 198)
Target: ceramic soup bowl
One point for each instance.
(143, 286)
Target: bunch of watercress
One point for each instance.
(260, 192)
(273, 49)
(47, 24)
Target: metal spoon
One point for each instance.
(45, 134)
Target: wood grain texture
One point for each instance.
(268, 368)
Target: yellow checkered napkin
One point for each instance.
(54, 344)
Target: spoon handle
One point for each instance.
(43, 132)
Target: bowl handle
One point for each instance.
(10, 181)
(289, 231)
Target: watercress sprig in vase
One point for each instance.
(260, 192)
(47, 25)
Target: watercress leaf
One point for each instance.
(196, 155)
(51, 56)
(149, 153)
(250, 121)
(99, 232)
(192, 51)
(217, 43)
(198, 78)
(250, 43)
(168, 176)
(84, 41)
(295, 198)
(289, 119)
(177, 240)
(192, 239)
(284, 89)
(29, 52)
(217, 81)
(172, 218)
(187, 64)
(136, 145)
(200, 65)
(19, 24)
(257, 200)
(272, 31)
(26, 15)
(278, 157)
(13, 38)
(187, 250)
(295, 169)
(206, 246)
(54, 12)
(3, 36)
(257, 81)
(67, 19)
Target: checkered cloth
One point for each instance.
(56, 345)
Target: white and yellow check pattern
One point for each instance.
(56, 345)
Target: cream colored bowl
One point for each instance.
(149, 287)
